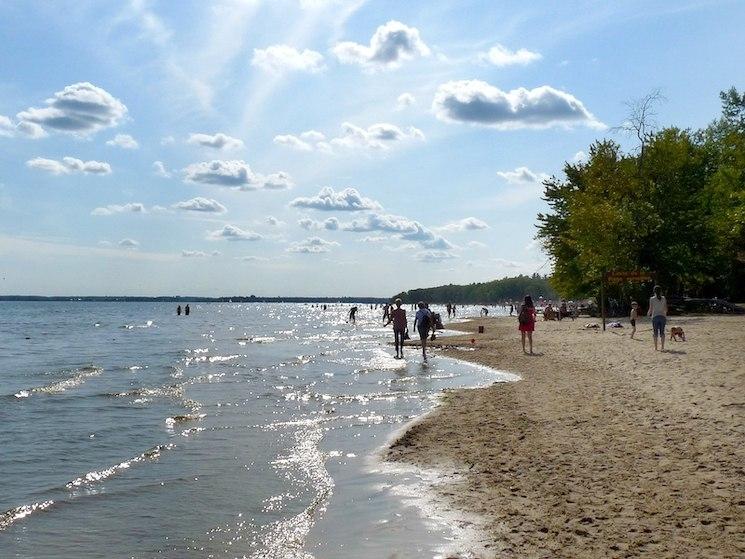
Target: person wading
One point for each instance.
(398, 317)
(423, 323)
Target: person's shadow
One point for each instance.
(675, 351)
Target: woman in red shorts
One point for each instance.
(526, 321)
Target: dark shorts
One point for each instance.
(633, 322)
(658, 326)
(423, 333)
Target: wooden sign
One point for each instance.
(639, 276)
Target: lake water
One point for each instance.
(242, 430)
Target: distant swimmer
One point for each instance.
(178, 310)
(398, 317)
(186, 310)
(453, 311)
(423, 323)
(353, 315)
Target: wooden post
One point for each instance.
(602, 299)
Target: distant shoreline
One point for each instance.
(186, 299)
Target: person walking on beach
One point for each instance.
(633, 316)
(178, 310)
(658, 312)
(450, 309)
(423, 323)
(387, 312)
(353, 315)
(398, 317)
(526, 322)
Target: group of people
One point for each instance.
(425, 321)
(187, 310)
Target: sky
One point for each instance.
(319, 147)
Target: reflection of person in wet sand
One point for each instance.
(398, 317)
(353, 315)
(423, 323)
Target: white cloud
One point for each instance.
(522, 175)
(330, 224)
(236, 174)
(312, 245)
(465, 224)
(124, 141)
(476, 244)
(216, 141)
(500, 56)
(406, 229)
(391, 44)
(477, 102)
(200, 204)
(10, 129)
(579, 157)
(328, 199)
(233, 233)
(112, 209)
(273, 221)
(193, 254)
(293, 142)
(405, 100)
(80, 108)
(380, 136)
(284, 58)
(434, 256)
(69, 165)
(160, 170)
(129, 244)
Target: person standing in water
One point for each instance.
(353, 315)
(423, 323)
(398, 317)
(387, 312)
(186, 310)
(178, 310)
(658, 312)
(526, 322)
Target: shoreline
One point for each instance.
(605, 448)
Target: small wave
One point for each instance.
(96, 476)
(258, 339)
(10, 516)
(78, 377)
(168, 391)
(170, 421)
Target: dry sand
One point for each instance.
(606, 448)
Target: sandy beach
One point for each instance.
(606, 448)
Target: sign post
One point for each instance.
(619, 276)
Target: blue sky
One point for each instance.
(318, 147)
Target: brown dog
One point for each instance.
(677, 334)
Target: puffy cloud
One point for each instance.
(235, 174)
(293, 142)
(124, 141)
(273, 221)
(233, 233)
(69, 165)
(579, 157)
(344, 200)
(216, 141)
(11, 129)
(160, 170)
(284, 58)
(193, 254)
(466, 224)
(522, 175)
(404, 227)
(391, 44)
(405, 100)
(80, 108)
(129, 244)
(477, 102)
(312, 245)
(379, 136)
(200, 204)
(330, 224)
(118, 209)
(434, 256)
(500, 56)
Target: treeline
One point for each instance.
(497, 291)
(675, 206)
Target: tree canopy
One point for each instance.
(676, 208)
(497, 291)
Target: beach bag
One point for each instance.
(524, 317)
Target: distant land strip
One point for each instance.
(185, 299)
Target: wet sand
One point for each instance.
(606, 448)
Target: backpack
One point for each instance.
(525, 316)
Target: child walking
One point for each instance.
(632, 318)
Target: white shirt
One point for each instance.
(657, 307)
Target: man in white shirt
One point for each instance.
(658, 312)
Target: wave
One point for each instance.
(96, 476)
(10, 516)
(78, 377)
